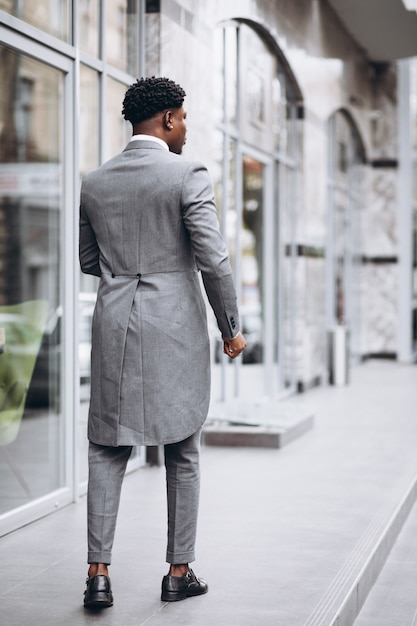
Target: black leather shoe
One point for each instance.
(176, 588)
(98, 594)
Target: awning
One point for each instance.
(385, 29)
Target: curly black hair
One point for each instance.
(148, 96)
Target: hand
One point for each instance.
(233, 347)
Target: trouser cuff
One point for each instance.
(176, 558)
(99, 557)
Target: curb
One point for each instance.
(262, 425)
(346, 595)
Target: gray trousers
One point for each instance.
(107, 467)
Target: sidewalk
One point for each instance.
(393, 600)
(283, 534)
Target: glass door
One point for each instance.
(257, 105)
(267, 277)
(259, 234)
(33, 426)
(346, 180)
(256, 275)
(252, 269)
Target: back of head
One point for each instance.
(149, 96)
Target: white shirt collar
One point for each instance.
(150, 138)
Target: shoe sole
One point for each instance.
(101, 601)
(98, 605)
(172, 596)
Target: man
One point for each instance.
(147, 224)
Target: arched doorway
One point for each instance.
(346, 201)
(258, 111)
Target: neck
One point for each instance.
(148, 129)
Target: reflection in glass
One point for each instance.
(285, 279)
(89, 19)
(89, 119)
(118, 130)
(256, 97)
(413, 104)
(413, 142)
(255, 108)
(225, 76)
(51, 17)
(31, 198)
(285, 116)
(252, 259)
(230, 82)
(224, 188)
(347, 204)
(278, 96)
(414, 177)
(88, 140)
(89, 160)
(122, 35)
(86, 304)
(229, 212)
(218, 75)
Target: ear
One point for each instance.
(167, 119)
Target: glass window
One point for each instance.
(413, 136)
(413, 102)
(346, 204)
(218, 77)
(89, 119)
(89, 160)
(89, 18)
(278, 119)
(259, 68)
(284, 118)
(122, 35)
(51, 17)
(252, 312)
(225, 190)
(285, 260)
(31, 199)
(118, 130)
(257, 124)
(230, 69)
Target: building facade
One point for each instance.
(312, 149)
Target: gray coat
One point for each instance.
(147, 222)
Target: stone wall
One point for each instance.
(333, 74)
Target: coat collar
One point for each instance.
(143, 144)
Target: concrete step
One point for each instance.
(347, 593)
(393, 599)
(263, 423)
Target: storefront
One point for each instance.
(346, 205)
(298, 128)
(259, 123)
(59, 118)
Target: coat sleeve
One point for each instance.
(89, 251)
(200, 218)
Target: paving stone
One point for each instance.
(276, 526)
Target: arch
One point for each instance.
(259, 136)
(356, 135)
(270, 42)
(346, 202)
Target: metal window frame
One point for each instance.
(272, 161)
(406, 352)
(352, 233)
(43, 47)
(26, 44)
